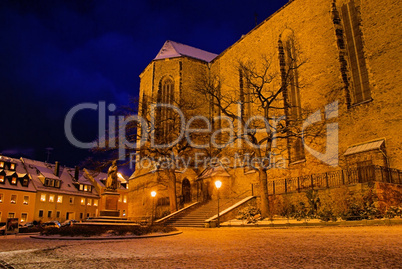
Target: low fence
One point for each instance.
(335, 179)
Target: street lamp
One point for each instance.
(218, 184)
(153, 194)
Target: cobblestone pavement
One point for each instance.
(328, 247)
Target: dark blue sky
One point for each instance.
(57, 54)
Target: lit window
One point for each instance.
(125, 199)
(95, 202)
(60, 199)
(85, 188)
(40, 213)
(89, 202)
(71, 200)
(51, 198)
(14, 180)
(12, 166)
(1, 179)
(25, 182)
(13, 198)
(43, 197)
(57, 183)
(81, 187)
(26, 200)
(82, 201)
(1, 198)
(49, 214)
(1, 164)
(11, 215)
(24, 217)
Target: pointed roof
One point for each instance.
(173, 49)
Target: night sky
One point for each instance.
(57, 54)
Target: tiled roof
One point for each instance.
(173, 49)
(364, 147)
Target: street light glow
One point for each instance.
(218, 184)
(153, 193)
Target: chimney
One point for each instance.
(57, 169)
(77, 173)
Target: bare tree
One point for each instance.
(260, 94)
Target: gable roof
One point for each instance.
(173, 49)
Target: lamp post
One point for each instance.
(153, 194)
(218, 184)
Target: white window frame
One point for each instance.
(11, 199)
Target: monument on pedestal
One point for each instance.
(110, 196)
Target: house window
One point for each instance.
(1, 178)
(0, 215)
(85, 188)
(26, 200)
(25, 182)
(1, 197)
(60, 199)
(49, 214)
(125, 199)
(89, 202)
(43, 197)
(1, 164)
(95, 202)
(81, 215)
(87, 215)
(81, 187)
(71, 200)
(58, 214)
(14, 180)
(51, 198)
(13, 198)
(12, 166)
(24, 217)
(11, 215)
(40, 213)
(57, 183)
(357, 63)
(82, 201)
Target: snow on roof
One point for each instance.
(173, 49)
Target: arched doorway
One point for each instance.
(186, 190)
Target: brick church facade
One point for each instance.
(345, 56)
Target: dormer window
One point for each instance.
(52, 183)
(14, 180)
(12, 166)
(1, 178)
(87, 188)
(1, 164)
(25, 182)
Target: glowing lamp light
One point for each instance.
(153, 193)
(218, 184)
(120, 175)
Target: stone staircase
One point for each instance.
(195, 217)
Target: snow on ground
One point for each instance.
(324, 247)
